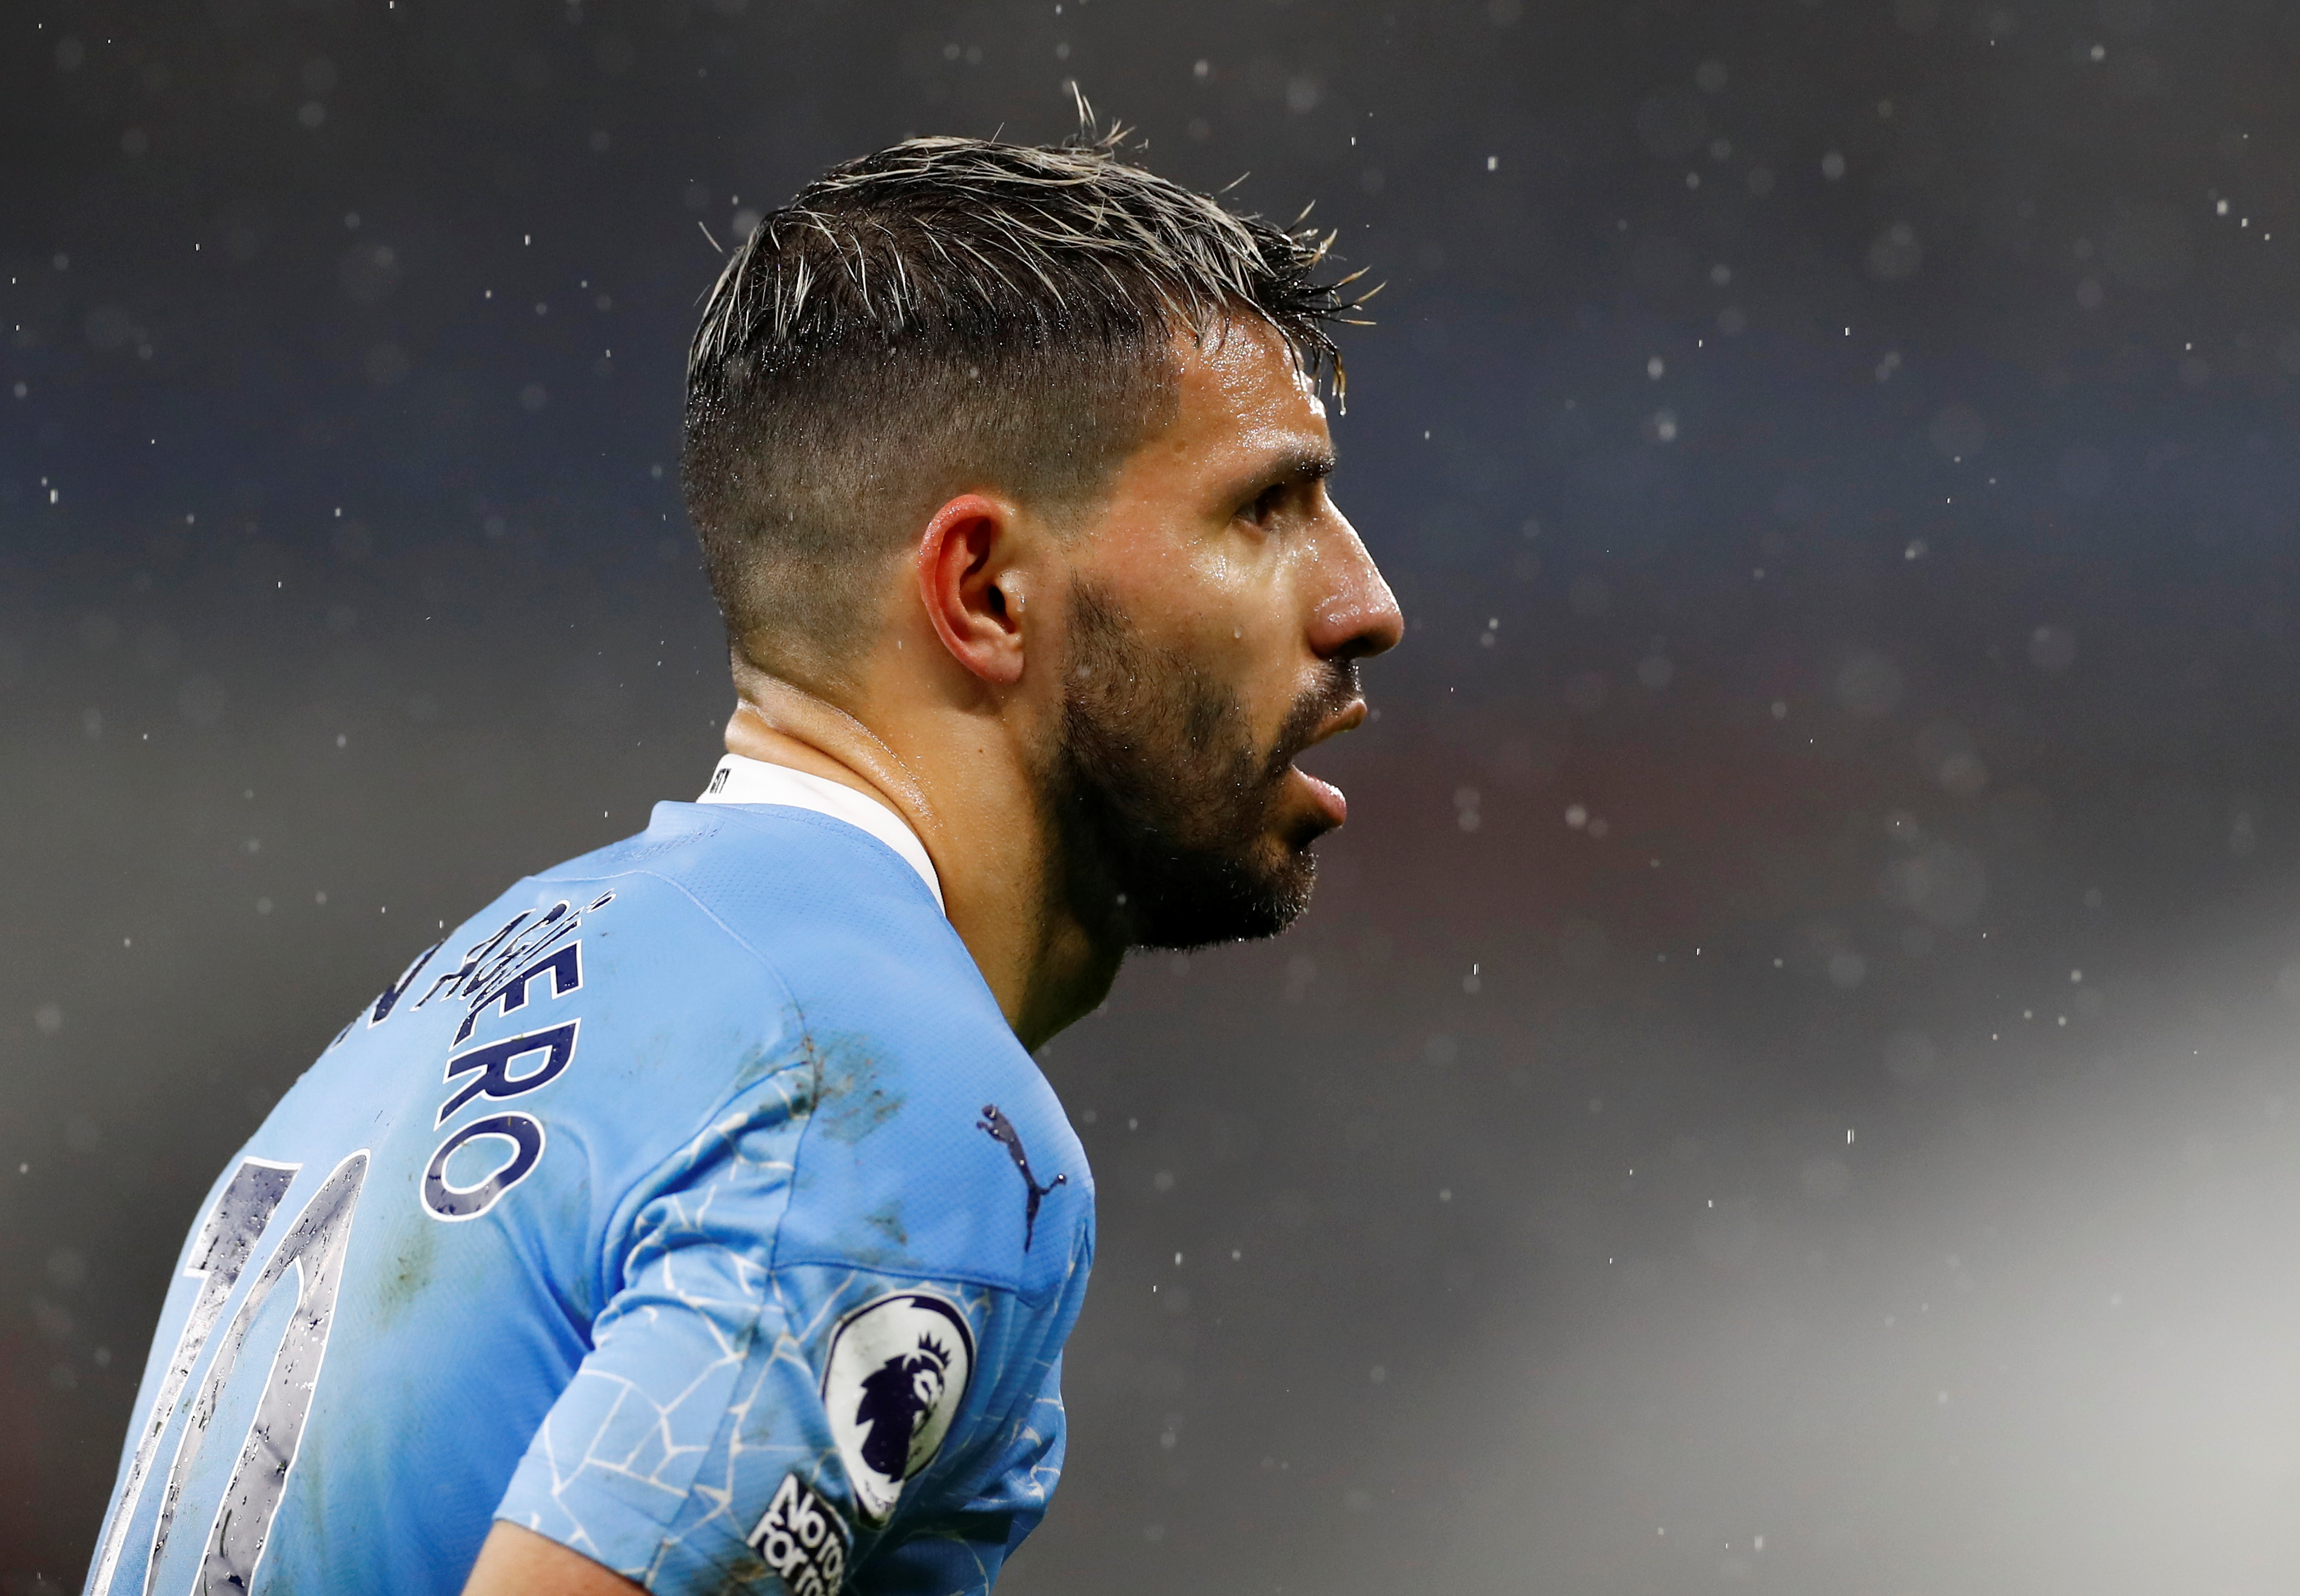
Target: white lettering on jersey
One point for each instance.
(803, 1540)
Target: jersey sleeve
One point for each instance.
(965, 1553)
(741, 1426)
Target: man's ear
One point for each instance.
(972, 587)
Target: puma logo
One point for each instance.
(1001, 1131)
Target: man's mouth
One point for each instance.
(1324, 796)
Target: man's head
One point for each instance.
(948, 313)
(1061, 416)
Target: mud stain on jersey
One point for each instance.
(851, 1100)
(767, 1058)
(746, 1575)
(759, 1416)
(409, 1272)
(888, 1221)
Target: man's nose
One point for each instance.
(1358, 615)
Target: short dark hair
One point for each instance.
(943, 314)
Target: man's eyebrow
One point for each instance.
(1301, 462)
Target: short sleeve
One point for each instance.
(964, 1553)
(737, 1426)
(690, 1383)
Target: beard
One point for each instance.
(1165, 811)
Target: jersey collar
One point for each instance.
(739, 779)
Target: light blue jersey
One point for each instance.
(692, 1205)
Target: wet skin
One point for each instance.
(1226, 550)
(1219, 545)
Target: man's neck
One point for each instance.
(978, 815)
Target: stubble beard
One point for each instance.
(1162, 807)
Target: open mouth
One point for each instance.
(1325, 797)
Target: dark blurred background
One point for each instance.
(1788, 1082)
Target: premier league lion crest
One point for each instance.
(896, 1372)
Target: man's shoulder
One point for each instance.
(668, 980)
(790, 921)
(813, 967)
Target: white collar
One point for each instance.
(742, 780)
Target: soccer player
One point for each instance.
(695, 1215)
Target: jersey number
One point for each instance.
(314, 1249)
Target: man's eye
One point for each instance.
(1266, 505)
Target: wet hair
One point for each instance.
(948, 314)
